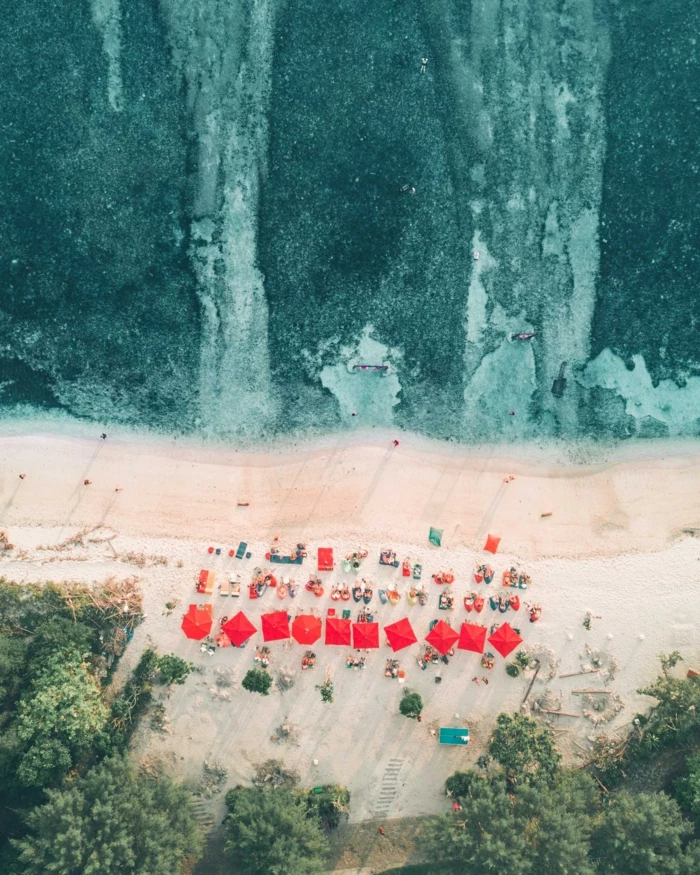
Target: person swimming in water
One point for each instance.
(523, 335)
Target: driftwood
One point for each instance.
(559, 713)
(573, 674)
(585, 692)
(532, 682)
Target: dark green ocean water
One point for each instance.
(202, 224)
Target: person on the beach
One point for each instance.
(380, 830)
(87, 482)
(22, 476)
(476, 680)
(423, 64)
(103, 436)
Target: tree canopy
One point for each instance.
(273, 833)
(641, 834)
(523, 748)
(544, 828)
(111, 822)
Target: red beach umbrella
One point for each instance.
(197, 623)
(442, 637)
(306, 629)
(338, 631)
(275, 626)
(472, 637)
(400, 634)
(505, 639)
(238, 629)
(365, 635)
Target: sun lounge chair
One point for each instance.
(225, 587)
(241, 551)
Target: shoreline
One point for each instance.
(353, 491)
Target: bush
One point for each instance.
(326, 690)
(173, 670)
(688, 787)
(257, 680)
(411, 705)
(513, 669)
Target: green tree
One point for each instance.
(13, 658)
(270, 833)
(257, 680)
(57, 719)
(524, 749)
(411, 705)
(688, 787)
(111, 822)
(641, 834)
(544, 829)
(487, 835)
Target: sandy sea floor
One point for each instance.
(621, 542)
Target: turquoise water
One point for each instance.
(203, 229)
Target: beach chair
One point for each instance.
(225, 587)
(206, 582)
(402, 676)
(325, 559)
(241, 551)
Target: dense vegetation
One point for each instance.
(58, 649)
(274, 828)
(525, 814)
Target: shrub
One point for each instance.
(257, 681)
(411, 705)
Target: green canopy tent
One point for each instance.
(435, 536)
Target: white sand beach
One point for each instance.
(622, 542)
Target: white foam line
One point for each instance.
(108, 19)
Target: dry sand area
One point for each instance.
(622, 542)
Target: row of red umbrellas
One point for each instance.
(306, 629)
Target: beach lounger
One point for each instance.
(325, 559)
(241, 551)
(206, 582)
(225, 587)
(284, 560)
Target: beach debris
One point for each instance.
(602, 706)
(286, 733)
(604, 661)
(547, 701)
(5, 544)
(532, 683)
(285, 679)
(544, 656)
(559, 713)
(159, 721)
(143, 560)
(272, 773)
(213, 779)
(225, 677)
(546, 513)
(573, 674)
(100, 534)
(241, 503)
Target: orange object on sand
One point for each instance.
(492, 542)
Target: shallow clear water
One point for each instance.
(203, 229)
